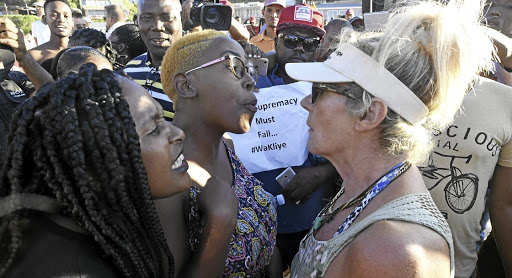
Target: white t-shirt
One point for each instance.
(463, 162)
(40, 31)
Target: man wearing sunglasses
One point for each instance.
(299, 32)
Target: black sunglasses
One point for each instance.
(318, 88)
(308, 44)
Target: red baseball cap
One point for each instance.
(303, 16)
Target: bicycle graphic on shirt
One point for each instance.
(461, 188)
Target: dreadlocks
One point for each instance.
(75, 141)
(95, 39)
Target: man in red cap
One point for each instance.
(298, 35)
(253, 28)
(271, 12)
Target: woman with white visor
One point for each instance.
(375, 104)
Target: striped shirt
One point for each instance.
(142, 71)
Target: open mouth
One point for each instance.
(180, 164)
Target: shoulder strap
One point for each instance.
(415, 208)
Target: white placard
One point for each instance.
(279, 134)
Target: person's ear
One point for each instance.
(121, 47)
(374, 117)
(183, 87)
(263, 12)
(43, 19)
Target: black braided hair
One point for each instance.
(129, 35)
(75, 141)
(72, 59)
(96, 39)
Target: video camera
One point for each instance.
(7, 59)
(211, 14)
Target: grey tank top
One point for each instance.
(314, 256)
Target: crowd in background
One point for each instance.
(154, 148)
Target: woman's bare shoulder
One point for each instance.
(394, 249)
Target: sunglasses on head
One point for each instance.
(292, 41)
(318, 88)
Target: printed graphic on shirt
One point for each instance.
(461, 189)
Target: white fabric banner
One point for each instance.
(279, 134)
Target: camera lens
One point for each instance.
(216, 16)
(213, 17)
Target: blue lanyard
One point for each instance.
(379, 186)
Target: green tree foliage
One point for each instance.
(23, 21)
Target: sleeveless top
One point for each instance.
(254, 238)
(314, 256)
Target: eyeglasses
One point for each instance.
(236, 64)
(291, 42)
(320, 87)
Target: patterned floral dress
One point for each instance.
(254, 238)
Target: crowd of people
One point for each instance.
(290, 147)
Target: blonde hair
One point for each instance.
(436, 50)
(183, 55)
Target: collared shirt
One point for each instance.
(263, 42)
(145, 74)
(114, 27)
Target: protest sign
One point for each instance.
(279, 133)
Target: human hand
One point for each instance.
(186, 7)
(13, 36)
(307, 180)
(251, 50)
(217, 200)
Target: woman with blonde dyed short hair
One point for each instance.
(231, 222)
(375, 104)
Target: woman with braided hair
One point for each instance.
(87, 154)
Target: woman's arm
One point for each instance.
(219, 207)
(501, 213)
(274, 268)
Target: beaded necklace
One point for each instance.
(327, 214)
